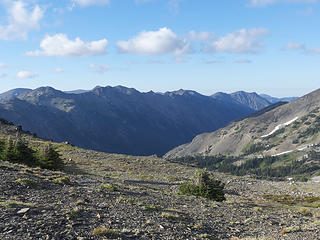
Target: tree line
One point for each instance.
(18, 151)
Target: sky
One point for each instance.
(264, 46)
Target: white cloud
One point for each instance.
(242, 60)
(159, 42)
(293, 46)
(58, 70)
(313, 51)
(3, 65)
(26, 74)
(59, 45)
(259, 3)
(99, 68)
(86, 3)
(242, 41)
(21, 20)
(201, 36)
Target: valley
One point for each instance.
(96, 195)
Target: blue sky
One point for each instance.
(267, 46)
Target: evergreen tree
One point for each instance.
(23, 153)
(8, 151)
(50, 158)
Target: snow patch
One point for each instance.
(282, 153)
(279, 127)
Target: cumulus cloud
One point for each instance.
(60, 45)
(259, 3)
(293, 46)
(21, 20)
(58, 70)
(242, 41)
(26, 74)
(87, 3)
(159, 42)
(99, 68)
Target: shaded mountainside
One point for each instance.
(119, 119)
(293, 127)
(252, 100)
(275, 100)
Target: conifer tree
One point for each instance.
(50, 158)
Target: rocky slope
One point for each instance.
(291, 127)
(107, 196)
(119, 119)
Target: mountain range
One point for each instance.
(118, 119)
(286, 128)
(124, 120)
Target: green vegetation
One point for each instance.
(312, 129)
(109, 187)
(62, 180)
(253, 148)
(152, 208)
(19, 151)
(49, 158)
(27, 182)
(291, 200)
(106, 232)
(267, 167)
(204, 186)
(170, 216)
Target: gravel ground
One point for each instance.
(105, 196)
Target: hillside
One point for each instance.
(293, 127)
(119, 119)
(111, 196)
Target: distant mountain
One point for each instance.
(13, 93)
(275, 100)
(291, 127)
(251, 100)
(120, 119)
(78, 91)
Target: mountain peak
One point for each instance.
(182, 92)
(251, 100)
(108, 89)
